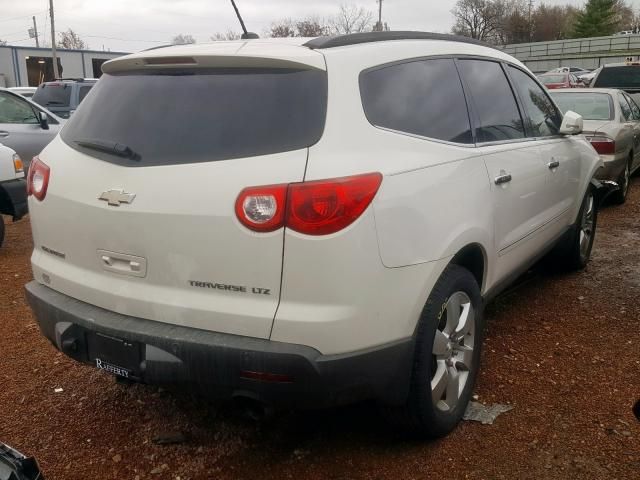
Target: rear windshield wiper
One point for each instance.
(54, 102)
(113, 148)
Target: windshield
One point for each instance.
(188, 116)
(619, 77)
(552, 78)
(53, 94)
(592, 106)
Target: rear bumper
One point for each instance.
(220, 365)
(612, 168)
(16, 202)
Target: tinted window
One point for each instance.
(592, 106)
(635, 111)
(550, 79)
(83, 92)
(618, 77)
(53, 94)
(423, 97)
(493, 100)
(544, 119)
(624, 108)
(190, 116)
(14, 110)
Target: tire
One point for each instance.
(434, 406)
(1, 230)
(575, 250)
(620, 196)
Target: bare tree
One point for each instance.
(183, 39)
(229, 35)
(351, 19)
(311, 27)
(282, 29)
(71, 41)
(480, 19)
(3, 43)
(553, 22)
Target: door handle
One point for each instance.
(553, 164)
(503, 177)
(4, 133)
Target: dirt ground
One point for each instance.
(564, 350)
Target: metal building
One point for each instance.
(30, 66)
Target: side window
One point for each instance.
(635, 111)
(544, 118)
(625, 108)
(423, 98)
(15, 110)
(495, 105)
(83, 92)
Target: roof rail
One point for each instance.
(368, 37)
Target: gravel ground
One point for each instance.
(564, 350)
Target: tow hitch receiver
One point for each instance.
(15, 466)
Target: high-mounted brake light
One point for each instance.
(603, 145)
(318, 207)
(38, 179)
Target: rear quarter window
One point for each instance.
(200, 115)
(422, 97)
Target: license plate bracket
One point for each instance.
(117, 356)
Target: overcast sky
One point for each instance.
(131, 25)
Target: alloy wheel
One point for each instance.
(453, 346)
(586, 225)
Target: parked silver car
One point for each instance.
(25, 126)
(612, 125)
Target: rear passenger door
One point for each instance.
(516, 171)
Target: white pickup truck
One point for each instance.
(13, 188)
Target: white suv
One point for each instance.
(304, 224)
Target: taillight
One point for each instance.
(327, 206)
(38, 179)
(18, 167)
(603, 145)
(314, 208)
(262, 208)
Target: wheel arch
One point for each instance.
(473, 257)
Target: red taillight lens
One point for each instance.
(38, 179)
(603, 145)
(262, 208)
(327, 206)
(313, 208)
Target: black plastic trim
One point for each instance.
(369, 37)
(13, 198)
(212, 362)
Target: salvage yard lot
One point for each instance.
(564, 350)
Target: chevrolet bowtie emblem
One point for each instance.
(116, 197)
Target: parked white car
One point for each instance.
(13, 188)
(304, 224)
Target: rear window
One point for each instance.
(546, 79)
(618, 77)
(591, 106)
(53, 94)
(189, 116)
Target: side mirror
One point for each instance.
(571, 123)
(44, 120)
